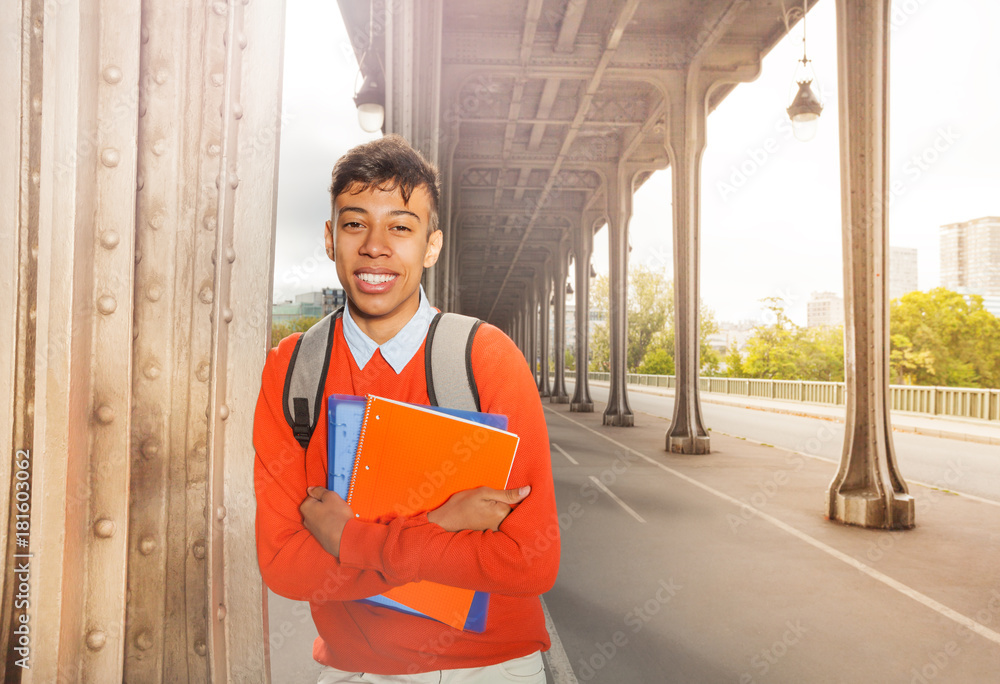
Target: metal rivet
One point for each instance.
(220, 513)
(200, 648)
(105, 414)
(223, 412)
(234, 180)
(150, 449)
(142, 109)
(112, 74)
(109, 239)
(242, 41)
(36, 178)
(230, 254)
(147, 545)
(140, 181)
(221, 613)
(159, 147)
(198, 549)
(156, 221)
(144, 34)
(214, 149)
(154, 292)
(106, 304)
(110, 157)
(220, 8)
(206, 295)
(227, 315)
(96, 639)
(104, 528)
(152, 371)
(36, 104)
(237, 110)
(144, 641)
(218, 79)
(160, 76)
(201, 372)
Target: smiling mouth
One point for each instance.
(375, 278)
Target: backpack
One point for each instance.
(450, 383)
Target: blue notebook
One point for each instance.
(345, 415)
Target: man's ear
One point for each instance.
(329, 240)
(434, 244)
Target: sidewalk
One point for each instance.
(963, 429)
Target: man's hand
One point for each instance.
(325, 515)
(478, 509)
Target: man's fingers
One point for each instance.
(512, 496)
(316, 492)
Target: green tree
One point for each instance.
(785, 351)
(941, 337)
(280, 331)
(734, 362)
(650, 342)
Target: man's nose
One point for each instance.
(375, 243)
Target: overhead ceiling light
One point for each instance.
(370, 102)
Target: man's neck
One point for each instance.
(381, 329)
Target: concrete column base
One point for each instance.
(876, 512)
(559, 400)
(689, 445)
(619, 419)
(582, 407)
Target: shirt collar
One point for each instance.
(398, 350)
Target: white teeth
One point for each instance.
(375, 278)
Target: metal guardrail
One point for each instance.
(958, 402)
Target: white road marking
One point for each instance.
(561, 451)
(917, 596)
(628, 509)
(555, 657)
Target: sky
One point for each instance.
(770, 220)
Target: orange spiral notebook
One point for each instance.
(410, 459)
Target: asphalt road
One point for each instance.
(964, 467)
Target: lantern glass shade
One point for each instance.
(370, 103)
(804, 112)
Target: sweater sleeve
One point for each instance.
(522, 558)
(292, 562)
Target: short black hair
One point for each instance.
(387, 164)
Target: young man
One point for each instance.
(382, 235)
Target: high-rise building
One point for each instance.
(902, 271)
(823, 309)
(970, 256)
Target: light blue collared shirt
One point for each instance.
(397, 351)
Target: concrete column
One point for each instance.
(545, 293)
(868, 489)
(559, 395)
(583, 244)
(687, 94)
(618, 413)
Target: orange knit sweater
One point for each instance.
(515, 564)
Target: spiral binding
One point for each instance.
(361, 442)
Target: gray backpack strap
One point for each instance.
(306, 377)
(450, 383)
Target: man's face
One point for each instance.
(381, 247)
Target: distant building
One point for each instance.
(734, 333)
(824, 309)
(970, 256)
(309, 304)
(902, 271)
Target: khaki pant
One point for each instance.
(527, 670)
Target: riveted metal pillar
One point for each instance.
(152, 133)
(559, 395)
(868, 489)
(618, 413)
(544, 316)
(687, 93)
(532, 347)
(583, 244)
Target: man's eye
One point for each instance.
(352, 224)
(401, 228)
